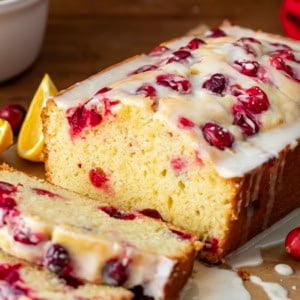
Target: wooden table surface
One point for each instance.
(84, 36)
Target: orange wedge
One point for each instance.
(31, 140)
(6, 135)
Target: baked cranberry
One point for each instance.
(182, 235)
(179, 56)
(175, 82)
(108, 105)
(103, 90)
(215, 33)
(14, 114)
(292, 243)
(236, 90)
(246, 67)
(246, 121)
(279, 63)
(255, 100)
(285, 54)
(10, 273)
(78, 119)
(217, 136)
(147, 90)
(115, 271)
(194, 44)
(185, 123)
(249, 40)
(98, 178)
(7, 203)
(23, 234)
(281, 45)
(211, 246)
(151, 213)
(42, 192)
(216, 83)
(73, 282)
(57, 259)
(159, 50)
(7, 188)
(143, 69)
(179, 164)
(117, 214)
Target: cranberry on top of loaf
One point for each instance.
(203, 129)
(21, 280)
(76, 236)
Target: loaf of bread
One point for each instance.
(75, 236)
(21, 280)
(205, 129)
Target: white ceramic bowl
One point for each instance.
(22, 27)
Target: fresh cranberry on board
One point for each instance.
(14, 114)
(292, 243)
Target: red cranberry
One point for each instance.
(116, 213)
(159, 50)
(247, 67)
(245, 120)
(182, 235)
(179, 56)
(115, 271)
(215, 33)
(14, 114)
(217, 136)
(7, 188)
(292, 243)
(178, 164)
(75, 283)
(279, 63)
(281, 45)
(175, 82)
(24, 235)
(211, 246)
(151, 213)
(42, 192)
(236, 90)
(10, 273)
(249, 40)
(98, 178)
(147, 90)
(185, 123)
(255, 100)
(108, 104)
(143, 69)
(194, 44)
(216, 83)
(284, 54)
(103, 90)
(57, 259)
(7, 203)
(77, 119)
(80, 118)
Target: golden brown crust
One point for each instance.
(250, 216)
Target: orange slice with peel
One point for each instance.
(6, 135)
(31, 139)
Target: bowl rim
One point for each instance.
(13, 5)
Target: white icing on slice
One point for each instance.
(283, 269)
(212, 283)
(249, 254)
(274, 290)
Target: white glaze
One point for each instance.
(283, 269)
(274, 290)
(212, 283)
(280, 124)
(249, 254)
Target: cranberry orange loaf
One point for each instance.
(76, 236)
(20, 280)
(205, 129)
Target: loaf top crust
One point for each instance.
(232, 91)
